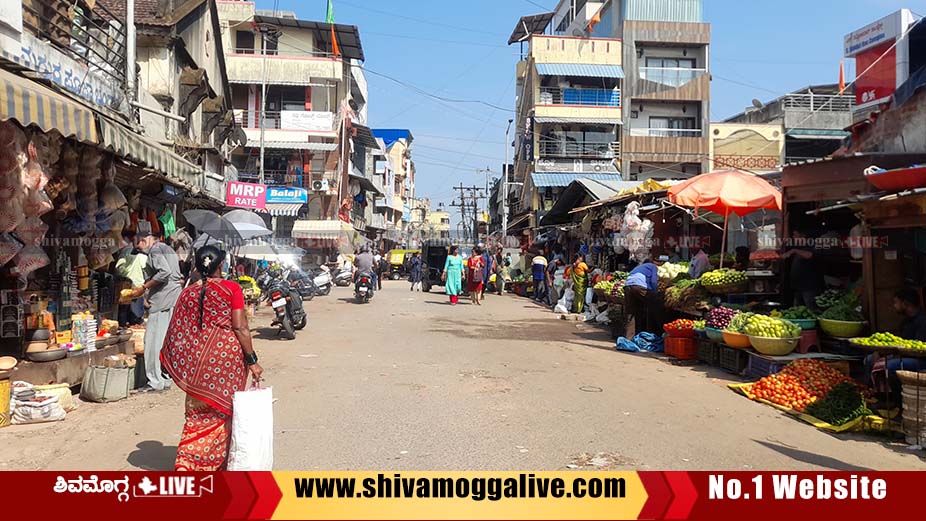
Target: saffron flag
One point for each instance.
(842, 76)
(596, 19)
(329, 19)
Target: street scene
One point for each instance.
(567, 235)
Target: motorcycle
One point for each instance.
(363, 288)
(321, 279)
(302, 284)
(343, 278)
(286, 304)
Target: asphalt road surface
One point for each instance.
(408, 382)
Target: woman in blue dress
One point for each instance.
(453, 274)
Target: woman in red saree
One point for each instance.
(474, 275)
(208, 354)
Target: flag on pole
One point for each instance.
(329, 19)
(596, 19)
(842, 76)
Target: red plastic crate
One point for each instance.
(682, 348)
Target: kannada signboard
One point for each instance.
(577, 166)
(307, 120)
(881, 53)
(246, 195)
(287, 195)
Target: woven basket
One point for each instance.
(912, 379)
(727, 289)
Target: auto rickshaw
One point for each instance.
(398, 263)
(433, 258)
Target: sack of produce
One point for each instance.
(39, 409)
(106, 384)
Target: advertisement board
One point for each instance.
(245, 195)
(286, 195)
(306, 120)
(881, 53)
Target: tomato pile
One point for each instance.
(799, 384)
(681, 327)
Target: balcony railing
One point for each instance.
(318, 121)
(666, 132)
(577, 149)
(92, 36)
(819, 102)
(671, 76)
(298, 53)
(276, 178)
(580, 97)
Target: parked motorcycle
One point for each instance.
(286, 303)
(321, 279)
(363, 288)
(301, 283)
(342, 278)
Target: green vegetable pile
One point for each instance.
(844, 312)
(841, 405)
(830, 298)
(799, 313)
(739, 323)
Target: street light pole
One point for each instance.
(504, 194)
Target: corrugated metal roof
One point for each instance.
(577, 119)
(581, 70)
(604, 188)
(664, 10)
(546, 179)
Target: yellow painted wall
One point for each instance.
(758, 148)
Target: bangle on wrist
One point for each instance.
(250, 358)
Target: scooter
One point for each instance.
(321, 278)
(343, 278)
(364, 288)
(286, 304)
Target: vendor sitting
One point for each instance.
(913, 327)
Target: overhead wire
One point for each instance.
(419, 20)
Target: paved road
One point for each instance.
(409, 382)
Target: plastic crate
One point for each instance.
(733, 360)
(682, 348)
(709, 352)
(760, 367)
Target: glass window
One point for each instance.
(244, 42)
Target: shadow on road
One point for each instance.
(153, 455)
(809, 457)
(267, 333)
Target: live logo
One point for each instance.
(170, 486)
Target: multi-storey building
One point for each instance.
(301, 99)
(666, 92)
(812, 120)
(439, 221)
(397, 144)
(568, 115)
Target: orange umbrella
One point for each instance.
(725, 192)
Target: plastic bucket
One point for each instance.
(4, 402)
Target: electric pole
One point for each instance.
(469, 197)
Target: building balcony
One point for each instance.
(283, 67)
(666, 132)
(571, 149)
(565, 49)
(671, 76)
(665, 145)
(580, 97)
(817, 111)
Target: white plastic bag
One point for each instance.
(252, 430)
(589, 296)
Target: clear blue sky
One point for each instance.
(457, 49)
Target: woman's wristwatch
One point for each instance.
(250, 358)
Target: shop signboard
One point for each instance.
(287, 195)
(578, 166)
(246, 195)
(307, 120)
(881, 57)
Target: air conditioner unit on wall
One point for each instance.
(320, 185)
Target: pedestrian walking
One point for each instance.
(414, 270)
(579, 282)
(163, 283)
(552, 293)
(538, 269)
(453, 275)
(500, 272)
(488, 267)
(378, 263)
(475, 270)
(208, 352)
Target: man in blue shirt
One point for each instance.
(640, 293)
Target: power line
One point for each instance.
(438, 40)
(457, 138)
(419, 145)
(538, 5)
(419, 20)
(428, 94)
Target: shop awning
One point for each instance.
(529, 25)
(579, 119)
(144, 150)
(562, 180)
(293, 145)
(521, 219)
(580, 70)
(283, 210)
(365, 137)
(31, 103)
(365, 182)
(580, 190)
(320, 229)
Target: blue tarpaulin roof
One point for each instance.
(546, 179)
(580, 70)
(391, 135)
